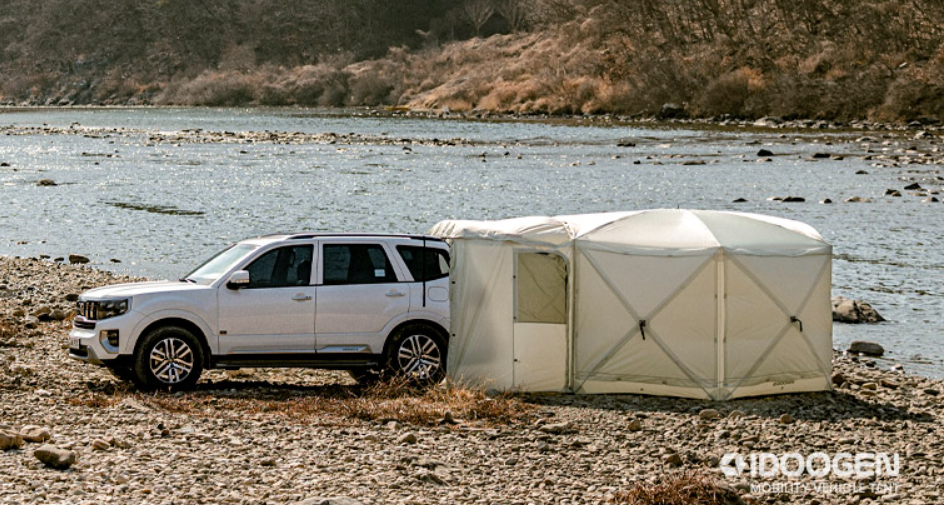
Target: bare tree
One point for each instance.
(515, 12)
(478, 12)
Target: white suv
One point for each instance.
(364, 303)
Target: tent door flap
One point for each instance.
(540, 321)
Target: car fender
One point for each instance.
(420, 315)
(211, 337)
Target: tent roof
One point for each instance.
(650, 231)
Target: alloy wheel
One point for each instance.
(419, 357)
(171, 360)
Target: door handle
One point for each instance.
(301, 297)
(394, 292)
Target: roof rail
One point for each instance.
(311, 235)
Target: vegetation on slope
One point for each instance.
(827, 59)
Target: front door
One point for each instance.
(359, 294)
(276, 312)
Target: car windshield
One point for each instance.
(216, 266)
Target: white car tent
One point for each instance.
(689, 303)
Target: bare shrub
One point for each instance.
(685, 488)
(396, 399)
(726, 94)
(217, 89)
(323, 84)
(371, 87)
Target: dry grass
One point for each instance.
(393, 400)
(686, 488)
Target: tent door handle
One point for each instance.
(642, 328)
(793, 319)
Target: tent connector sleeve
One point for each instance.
(794, 319)
(642, 328)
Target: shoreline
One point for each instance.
(594, 446)
(769, 123)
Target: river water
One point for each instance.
(161, 208)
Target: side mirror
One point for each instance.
(239, 280)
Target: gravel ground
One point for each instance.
(574, 449)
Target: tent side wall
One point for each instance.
(481, 346)
(778, 325)
(673, 352)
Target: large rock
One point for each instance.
(854, 311)
(55, 457)
(867, 348)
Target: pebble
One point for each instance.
(709, 414)
(407, 439)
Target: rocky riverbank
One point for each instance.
(245, 438)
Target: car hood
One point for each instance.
(140, 288)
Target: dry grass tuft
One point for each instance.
(686, 488)
(393, 400)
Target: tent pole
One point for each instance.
(720, 334)
(571, 315)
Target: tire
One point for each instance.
(123, 374)
(154, 371)
(417, 352)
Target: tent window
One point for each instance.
(541, 288)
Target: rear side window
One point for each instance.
(435, 266)
(356, 264)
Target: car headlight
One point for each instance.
(97, 310)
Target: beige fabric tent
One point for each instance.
(690, 303)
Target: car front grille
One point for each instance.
(88, 310)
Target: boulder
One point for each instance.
(913, 186)
(764, 152)
(55, 457)
(867, 348)
(854, 311)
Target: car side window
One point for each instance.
(429, 265)
(356, 264)
(282, 267)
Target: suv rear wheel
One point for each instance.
(418, 353)
(169, 358)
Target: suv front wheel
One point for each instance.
(418, 353)
(169, 358)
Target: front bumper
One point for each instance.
(91, 345)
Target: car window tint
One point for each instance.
(282, 267)
(356, 264)
(436, 264)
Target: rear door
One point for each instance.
(359, 292)
(276, 312)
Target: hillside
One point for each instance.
(824, 59)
